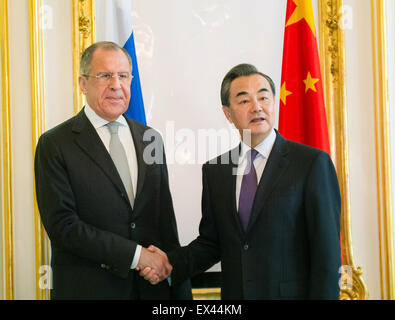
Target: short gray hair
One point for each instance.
(241, 70)
(86, 58)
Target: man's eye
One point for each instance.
(123, 76)
(105, 76)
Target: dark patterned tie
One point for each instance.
(248, 189)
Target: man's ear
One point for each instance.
(82, 83)
(225, 109)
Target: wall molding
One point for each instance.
(7, 239)
(42, 246)
(383, 147)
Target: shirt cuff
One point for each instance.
(136, 257)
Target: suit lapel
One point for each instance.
(139, 146)
(275, 167)
(89, 141)
(229, 182)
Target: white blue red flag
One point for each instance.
(114, 23)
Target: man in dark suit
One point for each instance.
(270, 207)
(101, 198)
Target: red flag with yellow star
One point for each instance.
(302, 116)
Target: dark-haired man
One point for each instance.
(272, 217)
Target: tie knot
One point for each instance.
(253, 154)
(113, 127)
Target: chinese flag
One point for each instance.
(302, 116)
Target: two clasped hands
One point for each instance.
(154, 265)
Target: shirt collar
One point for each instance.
(264, 148)
(98, 121)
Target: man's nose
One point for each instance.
(115, 83)
(256, 105)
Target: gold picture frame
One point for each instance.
(83, 36)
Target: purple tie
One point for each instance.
(248, 189)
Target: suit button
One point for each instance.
(245, 246)
(133, 225)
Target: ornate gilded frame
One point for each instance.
(7, 246)
(83, 36)
(332, 56)
(38, 127)
(332, 61)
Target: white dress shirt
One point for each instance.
(264, 149)
(127, 142)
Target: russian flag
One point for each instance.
(114, 23)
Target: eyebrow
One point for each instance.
(242, 93)
(263, 90)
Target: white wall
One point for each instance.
(361, 130)
(22, 159)
(58, 52)
(59, 107)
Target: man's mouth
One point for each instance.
(257, 120)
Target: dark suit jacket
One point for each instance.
(291, 249)
(92, 227)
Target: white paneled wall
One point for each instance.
(362, 151)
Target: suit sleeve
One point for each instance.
(169, 232)
(204, 251)
(323, 207)
(58, 211)
(168, 224)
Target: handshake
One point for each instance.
(154, 265)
